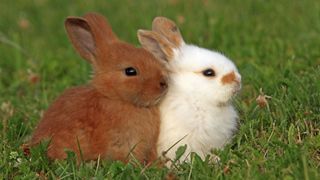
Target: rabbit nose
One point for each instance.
(163, 84)
(228, 78)
(238, 79)
(232, 77)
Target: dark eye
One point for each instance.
(209, 72)
(130, 71)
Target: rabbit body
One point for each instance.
(116, 114)
(191, 112)
(197, 109)
(91, 125)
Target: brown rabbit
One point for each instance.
(114, 115)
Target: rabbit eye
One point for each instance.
(209, 72)
(130, 71)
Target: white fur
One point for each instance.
(197, 107)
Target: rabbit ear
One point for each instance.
(90, 35)
(155, 43)
(81, 36)
(101, 29)
(168, 29)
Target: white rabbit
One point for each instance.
(197, 109)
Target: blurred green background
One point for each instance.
(274, 43)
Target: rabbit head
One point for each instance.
(121, 71)
(200, 72)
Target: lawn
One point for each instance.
(275, 44)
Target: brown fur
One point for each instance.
(163, 39)
(157, 44)
(115, 114)
(168, 29)
(228, 78)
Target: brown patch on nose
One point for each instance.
(228, 78)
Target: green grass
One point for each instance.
(275, 44)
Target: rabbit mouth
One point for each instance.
(236, 89)
(147, 103)
(226, 103)
(229, 98)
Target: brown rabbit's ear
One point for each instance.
(101, 28)
(90, 35)
(81, 36)
(155, 43)
(168, 29)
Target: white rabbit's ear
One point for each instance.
(158, 45)
(81, 36)
(168, 29)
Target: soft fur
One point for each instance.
(197, 109)
(115, 115)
